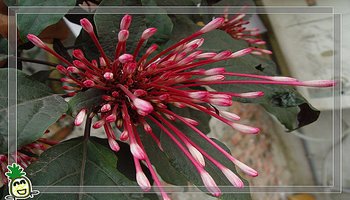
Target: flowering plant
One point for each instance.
(150, 96)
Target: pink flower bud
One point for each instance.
(143, 105)
(164, 97)
(102, 62)
(113, 144)
(280, 78)
(222, 55)
(206, 55)
(98, 124)
(89, 83)
(36, 41)
(140, 93)
(245, 129)
(126, 58)
(215, 71)
(106, 107)
(107, 98)
(136, 151)
(318, 83)
(72, 69)
(251, 94)
(241, 52)
(233, 178)
(148, 33)
(124, 136)
(125, 22)
(151, 49)
(94, 63)
(196, 154)
(108, 75)
(79, 64)
(67, 80)
(213, 78)
(220, 96)
(197, 95)
(77, 53)
(142, 181)
(123, 35)
(210, 184)
(246, 169)
(111, 118)
(87, 26)
(80, 117)
(230, 115)
(214, 24)
(221, 102)
(61, 69)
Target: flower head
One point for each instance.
(139, 89)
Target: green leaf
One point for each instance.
(86, 44)
(79, 162)
(37, 109)
(162, 22)
(159, 160)
(35, 23)
(87, 99)
(180, 162)
(41, 76)
(107, 26)
(3, 48)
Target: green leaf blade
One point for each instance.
(37, 109)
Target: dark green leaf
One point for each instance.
(85, 43)
(162, 22)
(37, 109)
(184, 165)
(79, 162)
(41, 76)
(88, 99)
(35, 23)
(107, 26)
(3, 48)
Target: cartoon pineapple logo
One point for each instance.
(20, 187)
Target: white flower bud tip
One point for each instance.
(36, 41)
(196, 154)
(245, 129)
(80, 117)
(143, 181)
(148, 33)
(108, 75)
(113, 144)
(137, 151)
(210, 184)
(233, 178)
(214, 24)
(87, 26)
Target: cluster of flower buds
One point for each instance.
(24, 156)
(236, 27)
(139, 89)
